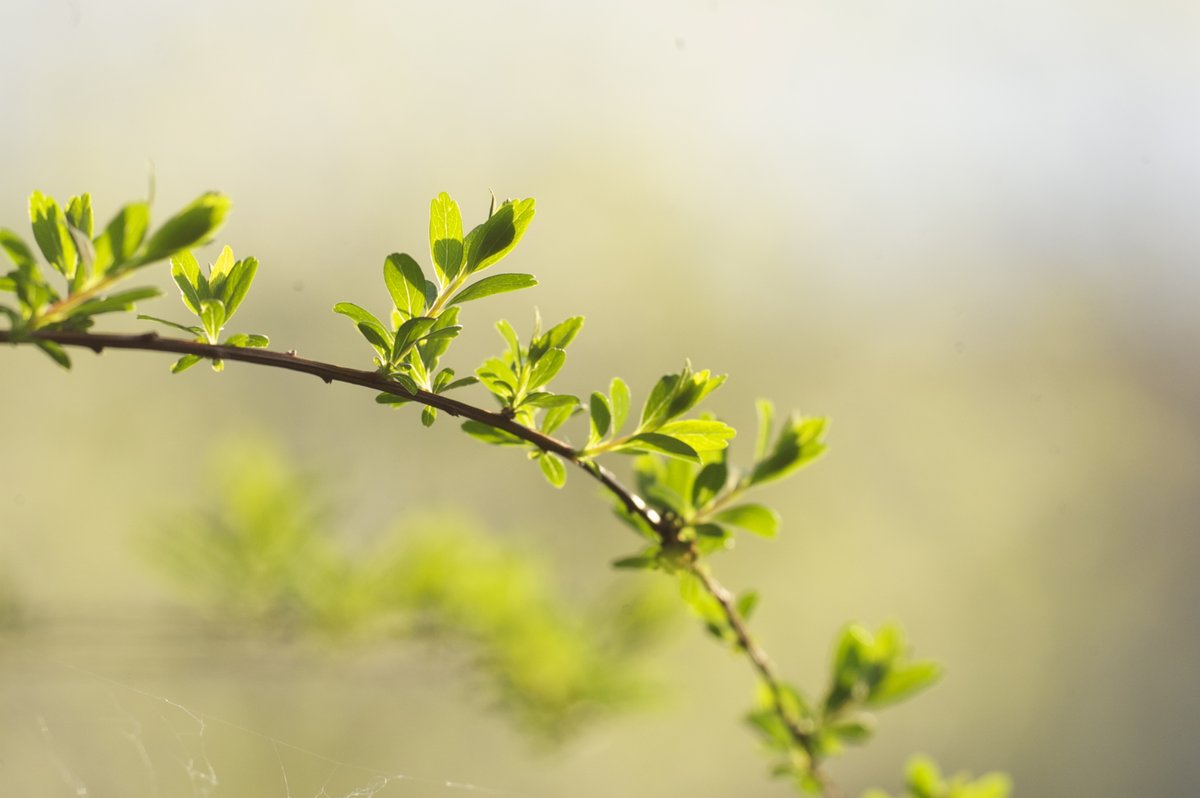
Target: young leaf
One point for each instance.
(546, 367)
(428, 416)
(495, 284)
(510, 337)
(445, 236)
(558, 414)
(646, 562)
(409, 333)
(193, 225)
(212, 316)
(497, 437)
(121, 301)
(557, 337)
(237, 284)
(55, 353)
(50, 232)
(766, 415)
(122, 237)
(601, 416)
(709, 482)
(553, 469)
(219, 270)
(184, 363)
(654, 411)
(406, 283)
(79, 214)
(495, 238)
(186, 273)
(903, 681)
(17, 250)
(798, 444)
(362, 317)
(701, 435)
(754, 518)
(661, 444)
(619, 392)
(196, 331)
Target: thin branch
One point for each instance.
(330, 373)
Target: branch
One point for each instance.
(330, 373)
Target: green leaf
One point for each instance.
(510, 337)
(904, 681)
(17, 250)
(640, 562)
(186, 273)
(439, 338)
(379, 337)
(196, 331)
(405, 282)
(746, 604)
(428, 416)
(114, 303)
(212, 316)
(709, 482)
(184, 363)
(557, 337)
(495, 284)
(766, 415)
(654, 411)
(799, 443)
(445, 236)
(754, 518)
(122, 237)
(8, 284)
(409, 333)
(55, 353)
(660, 444)
(553, 469)
(495, 238)
(50, 232)
(193, 225)
(497, 437)
(79, 214)
(546, 367)
(558, 414)
(701, 435)
(601, 417)
(220, 270)
(237, 284)
(619, 392)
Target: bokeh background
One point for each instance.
(964, 230)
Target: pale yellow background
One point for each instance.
(964, 230)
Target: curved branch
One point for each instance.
(330, 373)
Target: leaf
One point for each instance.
(701, 435)
(114, 303)
(497, 437)
(641, 561)
(601, 416)
(212, 316)
(237, 284)
(196, 331)
(428, 416)
(766, 415)
(546, 367)
(495, 284)
(746, 604)
(17, 250)
(654, 411)
(184, 363)
(186, 273)
(445, 236)
(557, 337)
(405, 282)
(122, 237)
(709, 482)
(799, 443)
(437, 342)
(558, 414)
(904, 681)
(409, 333)
(661, 444)
(79, 214)
(553, 469)
(496, 237)
(619, 392)
(220, 270)
(376, 339)
(754, 518)
(50, 232)
(246, 341)
(193, 225)
(380, 338)
(55, 353)
(510, 337)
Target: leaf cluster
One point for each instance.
(925, 780)
(423, 319)
(87, 264)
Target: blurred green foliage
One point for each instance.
(925, 780)
(263, 554)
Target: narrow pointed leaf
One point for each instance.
(495, 284)
(701, 435)
(405, 282)
(445, 236)
(661, 444)
(619, 392)
(50, 232)
(495, 238)
(546, 367)
(193, 225)
(55, 353)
